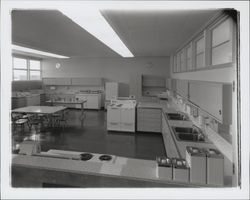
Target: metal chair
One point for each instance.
(17, 120)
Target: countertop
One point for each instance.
(122, 167)
(150, 105)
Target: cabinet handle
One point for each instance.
(220, 112)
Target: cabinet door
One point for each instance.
(49, 81)
(63, 81)
(87, 81)
(113, 114)
(92, 102)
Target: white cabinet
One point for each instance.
(113, 118)
(88, 81)
(49, 81)
(57, 81)
(93, 100)
(121, 118)
(149, 119)
(128, 119)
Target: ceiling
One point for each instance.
(145, 33)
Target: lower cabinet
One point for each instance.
(149, 119)
(120, 119)
(93, 101)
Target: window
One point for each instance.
(189, 57)
(199, 53)
(222, 43)
(183, 64)
(26, 69)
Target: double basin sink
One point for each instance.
(189, 134)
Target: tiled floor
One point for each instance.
(93, 137)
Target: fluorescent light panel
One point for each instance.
(43, 53)
(93, 22)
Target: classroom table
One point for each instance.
(47, 110)
(81, 102)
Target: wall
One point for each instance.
(111, 69)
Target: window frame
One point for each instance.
(28, 70)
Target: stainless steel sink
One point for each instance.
(177, 116)
(190, 134)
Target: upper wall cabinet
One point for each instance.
(213, 47)
(87, 81)
(57, 81)
(153, 85)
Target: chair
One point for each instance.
(61, 118)
(18, 121)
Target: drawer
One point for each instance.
(148, 111)
(113, 126)
(128, 127)
(149, 127)
(149, 121)
(149, 115)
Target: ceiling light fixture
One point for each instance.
(93, 22)
(29, 50)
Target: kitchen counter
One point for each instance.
(128, 168)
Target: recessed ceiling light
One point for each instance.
(93, 22)
(29, 50)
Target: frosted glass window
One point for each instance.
(178, 62)
(200, 45)
(35, 64)
(222, 54)
(182, 61)
(189, 64)
(20, 75)
(19, 63)
(199, 60)
(35, 75)
(189, 52)
(221, 33)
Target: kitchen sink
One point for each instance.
(190, 134)
(177, 116)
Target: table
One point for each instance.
(81, 102)
(48, 110)
(39, 109)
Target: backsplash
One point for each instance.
(72, 89)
